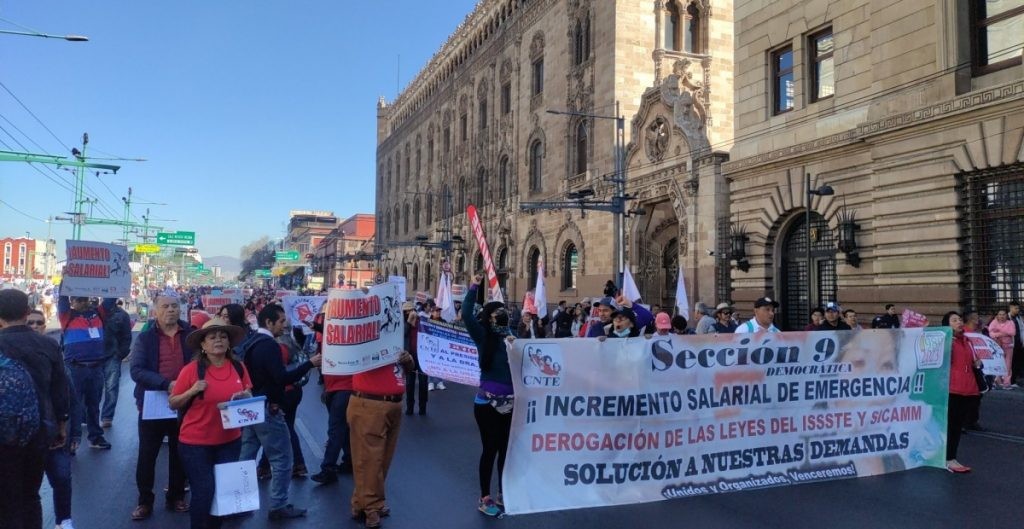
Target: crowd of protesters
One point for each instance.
(203, 358)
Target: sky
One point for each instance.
(242, 109)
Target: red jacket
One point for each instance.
(961, 372)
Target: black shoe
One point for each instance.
(286, 513)
(99, 443)
(345, 468)
(325, 476)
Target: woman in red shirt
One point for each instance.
(963, 388)
(202, 440)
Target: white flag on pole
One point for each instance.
(629, 288)
(444, 296)
(682, 303)
(540, 296)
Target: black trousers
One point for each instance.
(415, 380)
(21, 474)
(494, 431)
(151, 438)
(960, 408)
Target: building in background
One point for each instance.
(913, 113)
(474, 127)
(27, 259)
(346, 256)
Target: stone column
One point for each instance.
(708, 205)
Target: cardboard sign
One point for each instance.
(243, 412)
(96, 269)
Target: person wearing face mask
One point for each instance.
(492, 406)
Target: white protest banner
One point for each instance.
(362, 331)
(281, 294)
(638, 420)
(301, 309)
(402, 288)
(213, 303)
(235, 488)
(96, 269)
(993, 361)
(447, 351)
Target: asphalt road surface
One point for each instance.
(433, 483)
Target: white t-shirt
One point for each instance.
(751, 326)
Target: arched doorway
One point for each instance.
(797, 289)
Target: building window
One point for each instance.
(478, 264)
(533, 258)
(503, 178)
(398, 222)
(405, 225)
(570, 265)
(427, 279)
(538, 76)
(586, 38)
(419, 167)
(481, 186)
(460, 195)
(683, 30)
(447, 139)
(997, 34)
(671, 26)
(483, 114)
(430, 153)
(823, 75)
(784, 87)
(536, 165)
(506, 98)
(416, 214)
(581, 148)
(577, 48)
(430, 209)
(464, 127)
(398, 174)
(992, 238)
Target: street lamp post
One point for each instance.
(823, 190)
(70, 38)
(618, 201)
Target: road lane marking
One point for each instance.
(307, 437)
(998, 436)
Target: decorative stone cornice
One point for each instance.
(951, 107)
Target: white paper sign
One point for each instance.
(235, 488)
(362, 331)
(155, 406)
(301, 309)
(96, 269)
(447, 351)
(993, 361)
(401, 282)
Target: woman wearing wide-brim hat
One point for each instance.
(212, 377)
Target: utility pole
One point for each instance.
(76, 231)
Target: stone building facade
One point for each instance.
(913, 113)
(473, 127)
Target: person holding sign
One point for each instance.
(214, 376)
(492, 406)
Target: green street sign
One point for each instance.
(206, 272)
(286, 255)
(177, 238)
(194, 267)
(262, 272)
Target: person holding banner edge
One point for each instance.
(492, 406)
(963, 389)
(202, 440)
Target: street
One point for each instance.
(432, 483)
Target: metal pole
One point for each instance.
(79, 192)
(807, 227)
(620, 197)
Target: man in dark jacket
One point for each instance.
(889, 320)
(21, 468)
(832, 320)
(269, 378)
(117, 341)
(82, 333)
(157, 357)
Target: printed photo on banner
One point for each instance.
(646, 419)
(362, 330)
(96, 269)
(301, 309)
(446, 351)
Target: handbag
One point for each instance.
(979, 375)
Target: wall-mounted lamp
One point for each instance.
(738, 246)
(848, 235)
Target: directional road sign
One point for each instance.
(286, 255)
(147, 248)
(177, 238)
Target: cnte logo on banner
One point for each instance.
(542, 365)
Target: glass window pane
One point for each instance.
(784, 61)
(990, 8)
(786, 89)
(823, 44)
(1005, 39)
(826, 78)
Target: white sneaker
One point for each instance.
(430, 386)
(440, 385)
(66, 524)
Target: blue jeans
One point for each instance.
(111, 383)
(58, 473)
(88, 380)
(276, 440)
(199, 461)
(337, 430)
